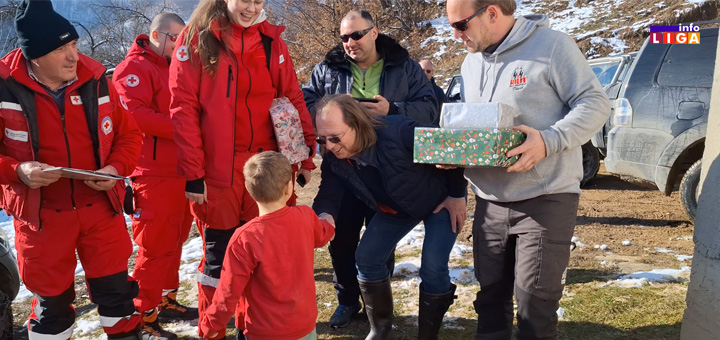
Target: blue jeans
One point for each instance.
(385, 231)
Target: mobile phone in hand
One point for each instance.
(301, 181)
(366, 100)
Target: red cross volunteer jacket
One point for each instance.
(142, 81)
(95, 131)
(216, 120)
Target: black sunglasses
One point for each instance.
(331, 139)
(172, 37)
(462, 25)
(357, 35)
(428, 71)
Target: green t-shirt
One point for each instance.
(366, 83)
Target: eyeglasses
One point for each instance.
(332, 139)
(357, 35)
(172, 37)
(462, 25)
(428, 71)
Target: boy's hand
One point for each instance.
(328, 218)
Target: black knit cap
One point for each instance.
(40, 29)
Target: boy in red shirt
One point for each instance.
(269, 261)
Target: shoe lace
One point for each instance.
(151, 328)
(173, 304)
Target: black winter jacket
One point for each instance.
(402, 82)
(439, 96)
(416, 188)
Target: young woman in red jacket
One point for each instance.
(229, 65)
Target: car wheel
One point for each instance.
(689, 189)
(6, 317)
(590, 162)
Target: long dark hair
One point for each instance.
(208, 46)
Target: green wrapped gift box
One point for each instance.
(466, 147)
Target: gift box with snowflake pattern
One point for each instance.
(466, 147)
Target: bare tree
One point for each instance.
(118, 23)
(313, 26)
(8, 38)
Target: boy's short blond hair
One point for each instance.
(266, 175)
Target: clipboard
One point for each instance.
(84, 175)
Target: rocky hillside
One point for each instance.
(600, 27)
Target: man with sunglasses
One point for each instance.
(365, 64)
(525, 214)
(162, 218)
(429, 70)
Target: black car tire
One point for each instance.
(6, 317)
(689, 189)
(590, 162)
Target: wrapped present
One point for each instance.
(288, 130)
(477, 115)
(466, 147)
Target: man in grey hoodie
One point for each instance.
(525, 214)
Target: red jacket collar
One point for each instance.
(265, 28)
(14, 65)
(141, 46)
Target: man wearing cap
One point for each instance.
(162, 218)
(57, 109)
(365, 64)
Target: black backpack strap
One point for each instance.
(267, 46)
(91, 92)
(26, 99)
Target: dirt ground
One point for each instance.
(611, 211)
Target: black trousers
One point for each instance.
(353, 215)
(522, 248)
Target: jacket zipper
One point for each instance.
(230, 78)
(154, 147)
(247, 95)
(27, 121)
(67, 145)
(234, 126)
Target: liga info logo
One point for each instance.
(680, 34)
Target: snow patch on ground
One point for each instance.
(641, 279)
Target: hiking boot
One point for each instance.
(172, 310)
(151, 329)
(344, 314)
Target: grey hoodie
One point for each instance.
(543, 74)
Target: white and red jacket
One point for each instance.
(142, 81)
(95, 131)
(224, 115)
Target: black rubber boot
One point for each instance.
(432, 310)
(379, 308)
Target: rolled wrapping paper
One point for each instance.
(288, 130)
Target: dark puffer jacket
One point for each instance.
(416, 188)
(402, 81)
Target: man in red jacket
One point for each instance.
(57, 109)
(162, 218)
